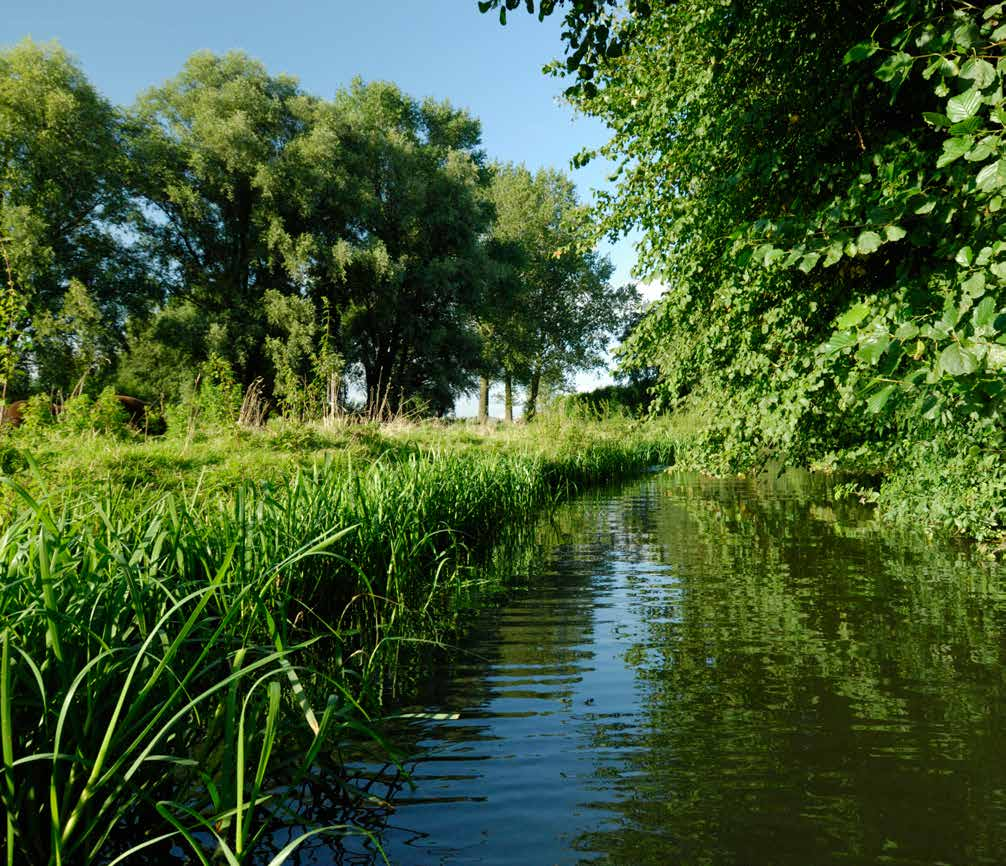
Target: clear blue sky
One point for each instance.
(440, 48)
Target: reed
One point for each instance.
(172, 667)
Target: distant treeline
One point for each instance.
(231, 228)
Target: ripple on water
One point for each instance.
(718, 672)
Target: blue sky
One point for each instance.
(440, 48)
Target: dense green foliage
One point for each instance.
(820, 186)
(61, 195)
(309, 244)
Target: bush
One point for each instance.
(108, 415)
(37, 414)
(612, 401)
(75, 415)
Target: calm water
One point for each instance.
(702, 672)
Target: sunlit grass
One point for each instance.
(171, 610)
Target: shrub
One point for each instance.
(37, 414)
(108, 415)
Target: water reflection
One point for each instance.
(711, 672)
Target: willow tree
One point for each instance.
(564, 308)
(64, 210)
(406, 278)
(211, 158)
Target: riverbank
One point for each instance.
(191, 624)
(950, 479)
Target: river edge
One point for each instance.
(354, 555)
(734, 538)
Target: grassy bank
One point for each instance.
(191, 625)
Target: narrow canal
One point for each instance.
(716, 672)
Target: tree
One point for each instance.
(776, 156)
(406, 277)
(64, 213)
(499, 317)
(73, 346)
(211, 155)
(565, 309)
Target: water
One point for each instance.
(703, 672)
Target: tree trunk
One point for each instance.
(483, 400)
(508, 397)
(332, 404)
(531, 407)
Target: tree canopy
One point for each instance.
(819, 185)
(61, 198)
(563, 308)
(231, 221)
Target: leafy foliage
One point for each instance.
(406, 277)
(820, 186)
(563, 307)
(62, 199)
(210, 155)
(229, 214)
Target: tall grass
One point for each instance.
(141, 667)
(171, 669)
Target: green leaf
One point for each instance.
(773, 255)
(894, 233)
(860, 51)
(964, 105)
(974, 286)
(808, 262)
(872, 349)
(967, 35)
(984, 149)
(895, 66)
(852, 317)
(964, 257)
(879, 400)
(954, 149)
(940, 121)
(967, 127)
(951, 316)
(793, 257)
(868, 242)
(980, 71)
(834, 254)
(838, 341)
(956, 361)
(992, 176)
(995, 357)
(984, 314)
(906, 331)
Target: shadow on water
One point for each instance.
(714, 672)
